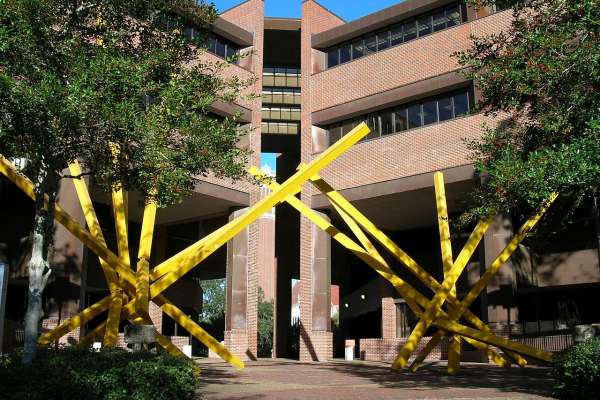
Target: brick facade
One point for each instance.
(314, 345)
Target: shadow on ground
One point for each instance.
(281, 379)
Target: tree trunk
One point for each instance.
(38, 269)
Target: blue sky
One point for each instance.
(347, 9)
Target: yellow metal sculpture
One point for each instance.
(132, 291)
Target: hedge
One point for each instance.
(577, 372)
(106, 375)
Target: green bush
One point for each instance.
(577, 372)
(105, 375)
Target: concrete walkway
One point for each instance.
(288, 379)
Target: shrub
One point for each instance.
(106, 375)
(577, 371)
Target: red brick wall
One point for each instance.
(430, 148)
(388, 318)
(314, 346)
(400, 65)
(388, 349)
(250, 16)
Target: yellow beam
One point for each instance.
(182, 263)
(454, 346)
(411, 295)
(451, 326)
(92, 221)
(417, 270)
(114, 318)
(142, 291)
(75, 322)
(62, 217)
(502, 258)
(440, 297)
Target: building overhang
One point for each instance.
(224, 109)
(282, 24)
(464, 173)
(232, 32)
(375, 21)
(403, 94)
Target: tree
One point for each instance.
(541, 79)
(265, 325)
(105, 82)
(213, 300)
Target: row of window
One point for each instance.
(280, 128)
(215, 44)
(281, 95)
(408, 116)
(405, 31)
(281, 80)
(281, 113)
(281, 71)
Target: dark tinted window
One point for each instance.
(445, 108)
(461, 104)
(397, 36)
(401, 120)
(453, 15)
(383, 40)
(429, 112)
(371, 44)
(439, 21)
(345, 53)
(425, 25)
(410, 30)
(414, 116)
(221, 48)
(333, 58)
(418, 26)
(358, 49)
(387, 122)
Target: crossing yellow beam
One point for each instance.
(411, 295)
(180, 264)
(418, 271)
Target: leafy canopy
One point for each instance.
(79, 77)
(541, 78)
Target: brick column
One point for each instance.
(388, 318)
(315, 332)
(500, 293)
(238, 330)
(315, 297)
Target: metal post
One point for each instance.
(3, 288)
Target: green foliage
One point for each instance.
(541, 79)
(106, 375)
(577, 371)
(213, 300)
(77, 77)
(265, 325)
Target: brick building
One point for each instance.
(319, 76)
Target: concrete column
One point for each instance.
(500, 293)
(236, 305)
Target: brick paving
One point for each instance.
(288, 379)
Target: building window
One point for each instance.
(405, 31)
(281, 77)
(410, 116)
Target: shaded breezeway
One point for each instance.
(285, 379)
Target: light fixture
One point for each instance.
(362, 296)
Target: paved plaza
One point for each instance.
(288, 379)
